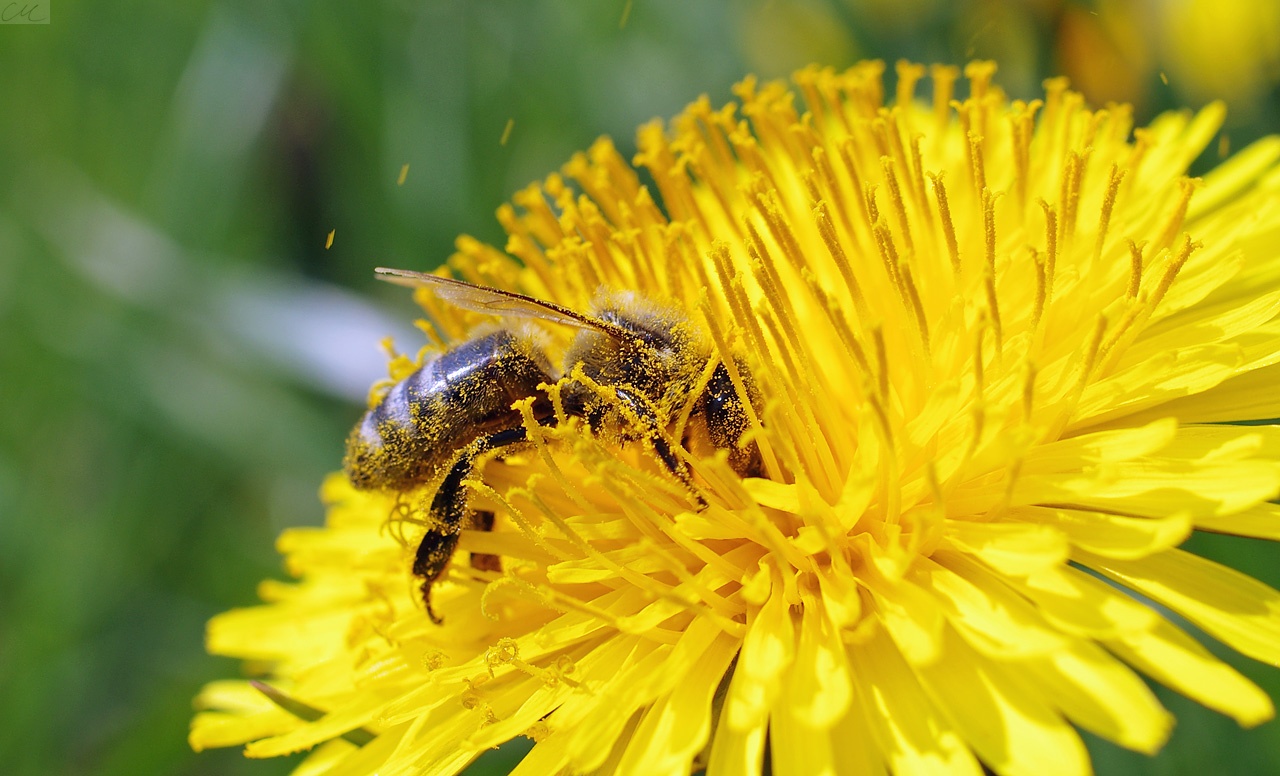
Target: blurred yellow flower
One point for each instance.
(993, 341)
(1228, 49)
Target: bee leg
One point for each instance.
(448, 508)
(433, 557)
(658, 441)
(484, 561)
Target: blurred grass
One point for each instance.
(180, 357)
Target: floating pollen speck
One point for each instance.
(328, 241)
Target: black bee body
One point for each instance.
(458, 406)
(424, 420)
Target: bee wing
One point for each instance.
(493, 301)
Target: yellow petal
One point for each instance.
(1080, 604)
(912, 617)
(798, 748)
(913, 736)
(1233, 176)
(1250, 395)
(1011, 548)
(767, 651)
(736, 751)
(351, 716)
(1157, 487)
(212, 729)
(1012, 729)
(1261, 521)
(1112, 536)
(676, 728)
(992, 618)
(1232, 607)
(1177, 661)
(1100, 446)
(1098, 693)
(819, 689)
(854, 746)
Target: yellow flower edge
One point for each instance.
(994, 342)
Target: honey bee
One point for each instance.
(458, 406)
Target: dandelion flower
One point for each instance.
(995, 343)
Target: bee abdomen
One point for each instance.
(450, 401)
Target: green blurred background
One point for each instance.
(181, 357)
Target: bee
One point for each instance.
(457, 406)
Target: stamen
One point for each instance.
(721, 183)
(836, 316)
(980, 73)
(882, 362)
(899, 156)
(895, 199)
(1076, 164)
(916, 307)
(979, 359)
(537, 435)
(917, 179)
(810, 430)
(1171, 271)
(783, 236)
(1187, 187)
(807, 79)
(890, 483)
(908, 74)
(829, 237)
(1084, 370)
(1054, 89)
(944, 80)
(1142, 308)
(1042, 290)
(948, 228)
(658, 532)
(847, 155)
(670, 270)
(1108, 204)
(1022, 129)
(1029, 393)
(993, 301)
(517, 516)
(880, 133)
(1050, 242)
(656, 155)
(507, 652)
(642, 581)
(780, 308)
(1135, 268)
(538, 217)
(553, 598)
(747, 149)
(979, 172)
(836, 193)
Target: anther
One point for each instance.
(948, 228)
(1108, 205)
